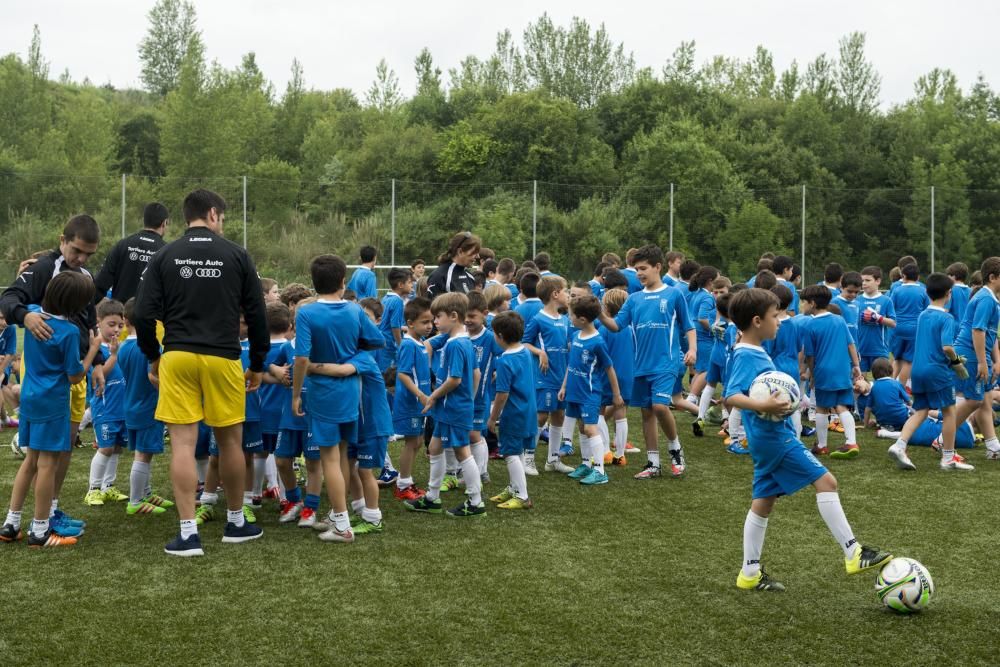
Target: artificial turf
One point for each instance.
(628, 573)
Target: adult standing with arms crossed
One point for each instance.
(198, 286)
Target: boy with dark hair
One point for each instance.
(273, 396)
(489, 269)
(877, 317)
(846, 300)
(888, 401)
(530, 304)
(785, 349)
(413, 385)
(392, 321)
(108, 410)
(674, 261)
(506, 268)
(764, 279)
(630, 273)
(909, 299)
(544, 263)
(960, 292)
(363, 282)
(615, 279)
(783, 268)
(832, 274)
(782, 464)
(597, 282)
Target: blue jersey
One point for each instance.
(45, 389)
(794, 305)
(484, 349)
(669, 280)
(834, 291)
(374, 417)
(411, 361)
(512, 288)
(456, 407)
(826, 340)
(931, 370)
(960, 295)
(909, 300)
(332, 332)
(140, 394)
(437, 359)
(392, 318)
(785, 347)
(588, 361)
(889, 402)
(550, 334)
(253, 397)
(633, 280)
(873, 339)
(768, 440)
(514, 370)
(529, 309)
(850, 311)
(621, 347)
(721, 346)
(110, 406)
(702, 307)
(363, 283)
(289, 420)
(8, 340)
(659, 319)
(596, 288)
(982, 314)
(273, 397)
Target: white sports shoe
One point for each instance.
(530, 469)
(957, 463)
(992, 454)
(886, 433)
(558, 466)
(903, 461)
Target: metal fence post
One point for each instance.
(671, 217)
(932, 229)
(123, 205)
(392, 252)
(534, 219)
(244, 211)
(802, 260)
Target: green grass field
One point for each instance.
(628, 573)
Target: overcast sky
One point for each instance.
(339, 43)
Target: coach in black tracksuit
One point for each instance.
(128, 258)
(452, 273)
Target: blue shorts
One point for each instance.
(678, 387)
(971, 388)
(202, 449)
(866, 361)
(797, 469)
(933, 400)
(547, 400)
(270, 442)
(716, 373)
(292, 444)
(704, 359)
(585, 412)
(624, 386)
(253, 438)
(109, 434)
(832, 398)
(902, 348)
(147, 440)
(409, 425)
(51, 436)
(480, 413)
(451, 436)
(369, 453)
(328, 434)
(515, 445)
(653, 389)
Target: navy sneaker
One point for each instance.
(423, 504)
(8, 533)
(808, 431)
(468, 509)
(544, 437)
(184, 548)
(236, 534)
(387, 477)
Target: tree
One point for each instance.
(857, 80)
(38, 67)
(429, 105)
(172, 32)
(384, 93)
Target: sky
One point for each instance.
(339, 43)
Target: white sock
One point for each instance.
(518, 480)
(236, 517)
(387, 462)
(797, 423)
(900, 443)
(98, 466)
(831, 511)
(209, 498)
(39, 527)
(189, 527)
(403, 483)
(473, 485)
(947, 455)
(481, 454)
(993, 444)
(450, 462)
(340, 520)
(137, 482)
(597, 452)
(822, 429)
(248, 497)
(707, 394)
(202, 466)
(735, 424)
(621, 436)
(653, 455)
(358, 505)
(586, 454)
(54, 506)
(259, 472)
(753, 543)
(555, 441)
(569, 429)
(371, 515)
(850, 430)
(110, 471)
(674, 444)
(692, 399)
(14, 518)
(602, 428)
(436, 476)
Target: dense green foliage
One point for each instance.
(566, 106)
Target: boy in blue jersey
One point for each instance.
(413, 385)
(485, 351)
(497, 301)
(782, 464)
(374, 310)
(847, 302)
(935, 365)
(514, 409)
(506, 268)
(702, 310)
(8, 389)
(583, 385)
(960, 292)
(674, 261)
(783, 268)
(331, 330)
(896, 280)
(659, 319)
(108, 410)
(363, 282)
(630, 273)
(254, 452)
(888, 401)
(597, 282)
(44, 429)
(785, 349)
(392, 322)
(546, 336)
(273, 396)
(453, 403)
(832, 274)
(877, 317)
(621, 347)
(909, 299)
(530, 305)
(833, 366)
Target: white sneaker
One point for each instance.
(886, 433)
(956, 463)
(558, 466)
(632, 449)
(992, 454)
(334, 535)
(530, 469)
(903, 461)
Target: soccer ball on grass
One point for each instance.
(904, 585)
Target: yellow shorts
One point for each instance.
(201, 387)
(77, 396)
(125, 333)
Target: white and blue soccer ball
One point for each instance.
(781, 384)
(904, 585)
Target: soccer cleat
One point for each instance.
(595, 478)
(12, 422)
(93, 498)
(649, 471)
(762, 582)
(503, 496)
(78, 442)
(485, 478)
(608, 457)
(63, 528)
(677, 465)
(723, 433)
(272, 493)
(845, 452)
(837, 426)
(238, 534)
(289, 511)
(256, 502)
(580, 472)
(728, 440)
(204, 513)
(412, 492)
(449, 483)
(307, 519)
(184, 548)
(50, 539)
(903, 461)
(249, 515)
(142, 507)
(8, 533)
(819, 451)
(808, 431)
(424, 504)
(619, 461)
(516, 503)
(387, 477)
(631, 449)
(159, 501)
(468, 509)
(113, 495)
(368, 528)
(566, 449)
(530, 469)
(738, 448)
(544, 435)
(62, 517)
(557, 466)
(993, 454)
(698, 427)
(957, 463)
(936, 444)
(334, 535)
(865, 558)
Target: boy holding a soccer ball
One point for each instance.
(782, 464)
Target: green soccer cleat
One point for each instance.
(113, 495)
(424, 504)
(580, 471)
(159, 501)
(516, 503)
(249, 515)
(503, 496)
(93, 498)
(866, 558)
(204, 513)
(368, 528)
(468, 509)
(142, 507)
(449, 483)
(762, 582)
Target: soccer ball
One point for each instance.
(775, 381)
(904, 585)
(15, 448)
